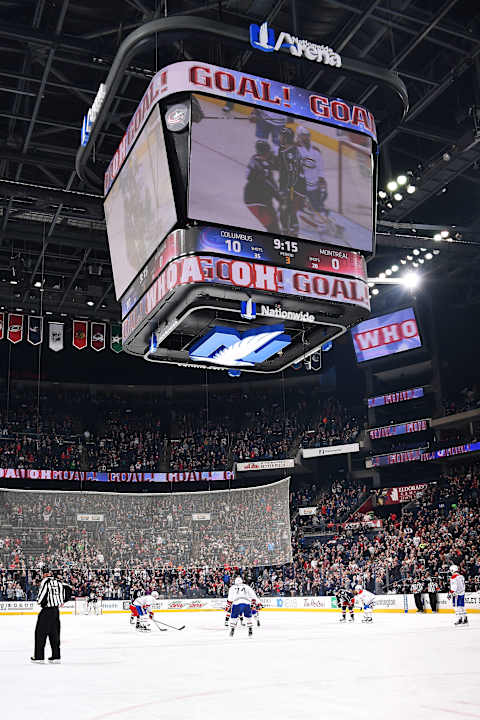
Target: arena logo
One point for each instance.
(263, 38)
(278, 312)
(92, 114)
(226, 347)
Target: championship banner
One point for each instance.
(55, 336)
(330, 450)
(307, 510)
(15, 328)
(35, 330)
(80, 334)
(265, 465)
(97, 337)
(2, 325)
(116, 337)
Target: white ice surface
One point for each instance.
(297, 666)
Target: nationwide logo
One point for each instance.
(277, 312)
(227, 347)
(263, 38)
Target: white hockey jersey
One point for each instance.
(241, 594)
(313, 168)
(365, 597)
(457, 584)
(144, 601)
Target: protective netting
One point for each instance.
(245, 527)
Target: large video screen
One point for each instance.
(263, 170)
(386, 335)
(140, 208)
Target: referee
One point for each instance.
(51, 594)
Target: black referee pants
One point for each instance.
(433, 601)
(48, 626)
(418, 601)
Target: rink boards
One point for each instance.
(383, 604)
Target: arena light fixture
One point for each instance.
(404, 262)
(388, 271)
(411, 189)
(409, 257)
(389, 205)
(411, 280)
(382, 194)
(371, 284)
(392, 186)
(90, 303)
(398, 196)
(437, 237)
(382, 276)
(421, 261)
(436, 252)
(428, 256)
(394, 268)
(37, 284)
(445, 233)
(415, 264)
(375, 291)
(416, 251)
(402, 179)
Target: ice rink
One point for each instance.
(298, 665)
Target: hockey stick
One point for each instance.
(172, 627)
(158, 626)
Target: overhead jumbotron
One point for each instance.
(239, 213)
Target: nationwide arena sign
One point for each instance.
(264, 465)
(330, 450)
(263, 38)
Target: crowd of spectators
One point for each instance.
(440, 528)
(466, 399)
(109, 434)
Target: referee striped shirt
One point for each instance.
(51, 593)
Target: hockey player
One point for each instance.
(256, 607)
(367, 600)
(261, 189)
(291, 181)
(240, 597)
(313, 169)
(457, 590)
(268, 124)
(92, 604)
(140, 609)
(346, 601)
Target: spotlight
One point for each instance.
(402, 179)
(437, 237)
(392, 186)
(436, 252)
(394, 268)
(421, 261)
(415, 264)
(19, 309)
(411, 189)
(382, 194)
(90, 303)
(445, 233)
(428, 256)
(409, 257)
(404, 262)
(389, 205)
(13, 281)
(382, 276)
(375, 291)
(446, 157)
(388, 271)
(398, 197)
(37, 284)
(416, 252)
(371, 284)
(423, 249)
(411, 280)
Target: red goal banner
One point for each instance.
(80, 334)
(15, 328)
(97, 339)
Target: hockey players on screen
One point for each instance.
(240, 599)
(367, 601)
(346, 601)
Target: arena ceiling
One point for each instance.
(55, 53)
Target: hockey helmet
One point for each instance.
(155, 595)
(286, 136)
(262, 147)
(453, 568)
(302, 132)
(238, 580)
(358, 588)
